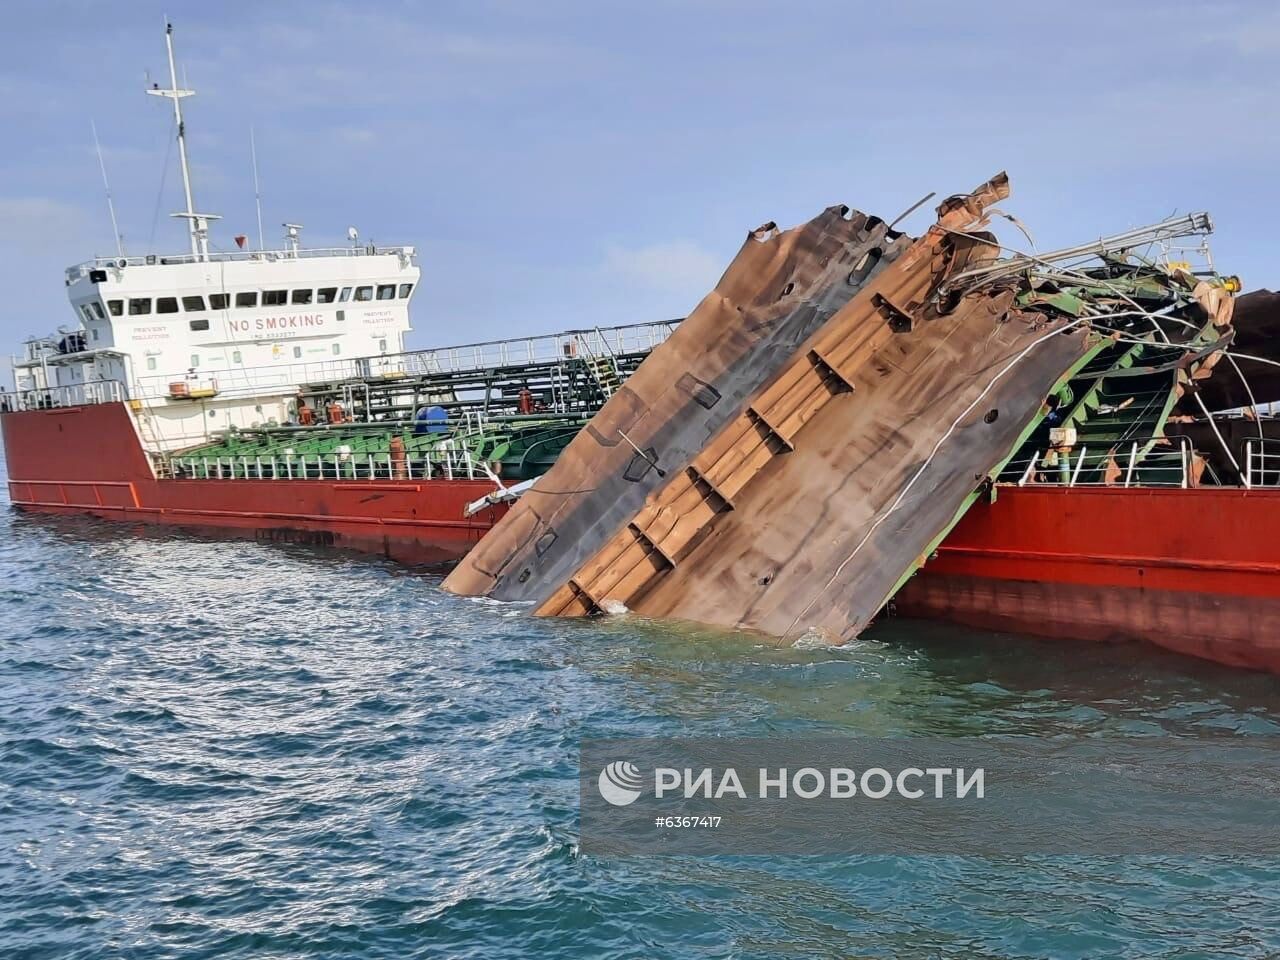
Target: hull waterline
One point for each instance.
(1195, 571)
(88, 460)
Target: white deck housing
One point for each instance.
(231, 329)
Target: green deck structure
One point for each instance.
(1120, 403)
(511, 449)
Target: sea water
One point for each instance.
(226, 749)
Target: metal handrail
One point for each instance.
(250, 381)
(71, 395)
(487, 355)
(1063, 466)
(447, 460)
(226, 256)
(1261, 462)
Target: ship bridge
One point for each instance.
(185, 325)
(193, 318)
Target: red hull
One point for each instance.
(1194, 571)
(88, 460)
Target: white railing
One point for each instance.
(285, 378)
(247, 381)
(253, 381)
(73, 395)
(1262, 462)
(265, 256)
(571, 344)
(447, 460)
(1122, 463)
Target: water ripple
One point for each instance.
(221, 749)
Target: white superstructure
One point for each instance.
(202, 341)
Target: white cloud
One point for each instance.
(677, 266)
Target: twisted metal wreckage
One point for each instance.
(811, 432)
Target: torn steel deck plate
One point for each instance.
(810, 465)
(780, 288)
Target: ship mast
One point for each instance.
(197, 223)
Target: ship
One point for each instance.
(855, 423)
(267, 393)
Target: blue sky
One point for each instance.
(569, 164)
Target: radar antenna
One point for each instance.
(111, 207)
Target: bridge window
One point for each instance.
(139, 306)
(364, 293)
(274, 298)
(167, 305)
(195, 360)
(219, 301)
(345, 295)
(387, 291)
(201, 324)
(84, 312)
(247, 299)
(337, 349)
(97, 310)
(297, 353)
(326, 294)
(151, 363)
(195, 304)
(404, 290)
(301, 296)
(235, 356)
(116, 307)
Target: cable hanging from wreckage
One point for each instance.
(1065, 281)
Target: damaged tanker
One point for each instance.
(1149, 509)
(809, 435)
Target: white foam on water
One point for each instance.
(814, 639)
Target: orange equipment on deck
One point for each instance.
(399, 462)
